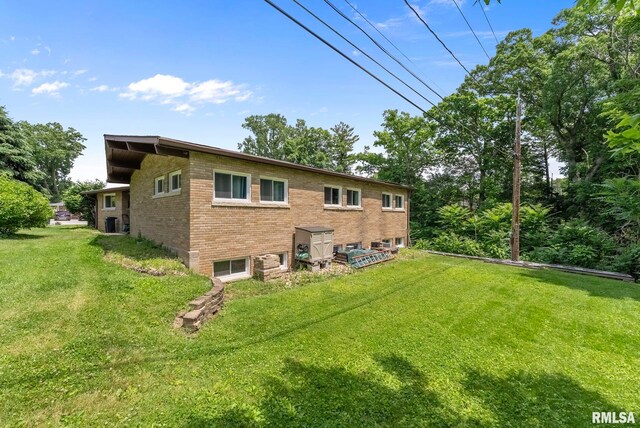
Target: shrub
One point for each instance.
(81, 204)
(453, 218)
(629, 261)
(452, 243)
(21, 206)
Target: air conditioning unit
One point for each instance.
(314, 244)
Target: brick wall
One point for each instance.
(163, 219)
(120, 209)
(221, 231)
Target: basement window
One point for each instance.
(159, 185)
(354, 246)
(230, 269)
(273, 190)
(109, 201)
(175, 181)
(353, 198)
(284, 261)
(232, 187)
(399, 242)
(332, 196)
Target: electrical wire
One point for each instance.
(471, 28)
(488, 22)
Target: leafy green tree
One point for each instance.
(21, 206)
(55, 150)
(81, 204)
(340, 147)
(16, 158)
(270, 135)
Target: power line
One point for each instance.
(382, 48)
(363, 52)
(376, 28)
(488, 22)
(438, 38)
(471, 28)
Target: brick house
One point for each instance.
(112, 207)
(217, 209)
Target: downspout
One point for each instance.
(408, 218)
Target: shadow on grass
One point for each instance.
(598, 287)
(309, 395)
(136, 249)
(20, 237)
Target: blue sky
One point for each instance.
(193, 70)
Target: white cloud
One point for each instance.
(92, 79)
(102, 88)
(26, 77)
(12, 38)
(389, 23)
(79, 72)
(35, 51)
(320, 111)
(168, 89)
(51, 88)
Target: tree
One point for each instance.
(15, 155)
(81, 204)
(340, 147)
(54, 150)
(21, 206)
(270, 134)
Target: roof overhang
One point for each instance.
(125, 154)
(106, 190)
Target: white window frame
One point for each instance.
(401, 244)
(239, 275)
(391, 201)
(155, 185)
(247, 200)
(104, 199)
(171, 175)
(285, 265)
(286, 190)
(387, 241)
(333, 186)
(355, 189)
(395, 207)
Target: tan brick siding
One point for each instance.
(164, 219)
(221, 232)
(121, 208)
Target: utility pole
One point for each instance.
(515, 216)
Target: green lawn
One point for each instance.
(423, 341)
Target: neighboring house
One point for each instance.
(112, 208)
(57, 206)
(217, 209)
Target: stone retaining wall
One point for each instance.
(267, 267)
(202, 308)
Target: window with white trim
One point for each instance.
(399, 242)
(386, 200)
(353, 198)
(228, 269)
(386, 241)
(232, 187)
(337, 248)
(399, 201)
(332, 196)
(273, 190)
(175, 181)
(284, 260)
(354, 245)
(109, 201)
(159, 185)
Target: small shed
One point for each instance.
(314, 244)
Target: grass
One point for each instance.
(422, 341)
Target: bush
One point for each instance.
(21, 206)
(81, 204)
(629, 261)
(452, 243)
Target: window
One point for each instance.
(109, 201)
(337, 248)
(332, 195)
(175, 181)
(159, 186)
(386, 200)
(353, 197)
(272, 190)
(386, 241)
(399, 202)
(354, 246)
(231, 186)
(283, 261)
(231, 268)
(399, 242)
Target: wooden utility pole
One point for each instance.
(515, 216)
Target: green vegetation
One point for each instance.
(78, 203)
(422, 341)
(21, 206)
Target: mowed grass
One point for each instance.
(421, 341)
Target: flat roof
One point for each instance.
(124, 154)
(314, 229)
